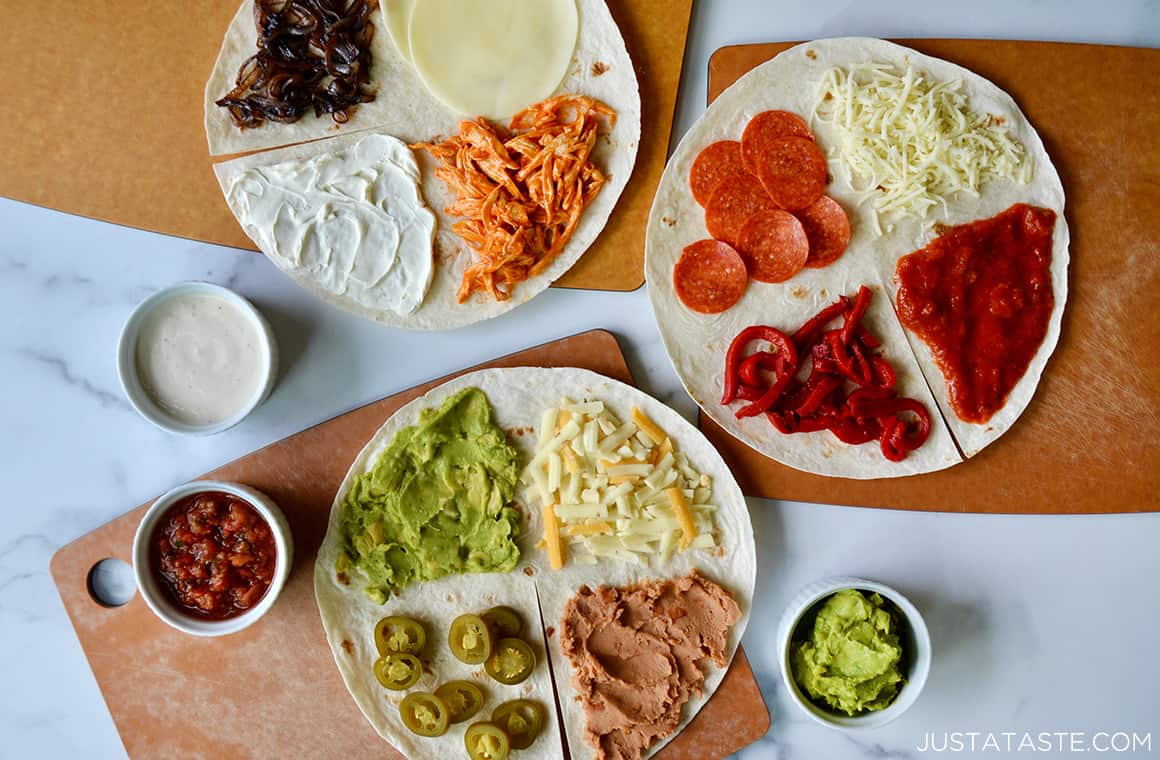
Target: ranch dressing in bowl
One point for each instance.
(196, 358)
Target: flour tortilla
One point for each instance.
(416, 115)
(518, 396)
(696, 343)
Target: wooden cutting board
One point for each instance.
(1086, 443)
(273, 689)
(105, 105)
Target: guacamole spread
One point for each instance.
(437, 501)
(850, 662)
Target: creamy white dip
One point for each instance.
(352, 222)
(199, 357)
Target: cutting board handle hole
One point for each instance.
(111, 582)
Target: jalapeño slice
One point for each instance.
(511, 662)
(463, 699)
(424, 714)
(398, 670)
(504, 621)
(521, 719)
(400, 634)
(486, 741)
(470, 639)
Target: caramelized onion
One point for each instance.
(312, 54)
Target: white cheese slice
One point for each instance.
(492, 57)
(397, 14)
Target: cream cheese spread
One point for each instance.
(352, 222)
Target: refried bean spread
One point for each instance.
(637, 652)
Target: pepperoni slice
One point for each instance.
(731, 204)
(714, 164)
(828, 230)
(773, 245)
(767, 126)
(710, 276)
(793, 172)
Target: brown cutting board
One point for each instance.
(273, 689)
(1086, 443)
(105, 119)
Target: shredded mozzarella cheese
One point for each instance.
(616, 489)
(907, 142)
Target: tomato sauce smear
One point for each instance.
(214, 555)
(980, 297)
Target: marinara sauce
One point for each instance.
(980, 297)
(214, 555)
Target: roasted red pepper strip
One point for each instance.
(793, 396)
(770, 397)
(818, 387)
(869, 339)
(896, 441)
(897, 438)
(753, 363)
(861, 372)
(749, 392)
(869, 403)
(832, 340)
(866, 395)
(827, 366)
(862, 404)
(912, 440)
(808, 333)
(884, 376)
(789, 423)
(779, 422)
(889, 449)
(852, 431)
(855, 314)
(810, 425)
(734, 355)
(850, 364)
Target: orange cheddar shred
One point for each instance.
(552, 542)
(684, 515)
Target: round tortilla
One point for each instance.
(424, 118)
(518, 395)
(696, 343)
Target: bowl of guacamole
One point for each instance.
(854, 653)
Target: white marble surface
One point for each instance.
(1039, 624)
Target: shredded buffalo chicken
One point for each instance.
(521, 191)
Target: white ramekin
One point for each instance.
(158, 600)
(915, 639)
(127, 359)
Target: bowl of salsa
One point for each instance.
(211, 557)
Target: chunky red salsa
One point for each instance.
(214, 554)
(980, 297)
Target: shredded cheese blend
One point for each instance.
(908, 142)
(615, 489)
